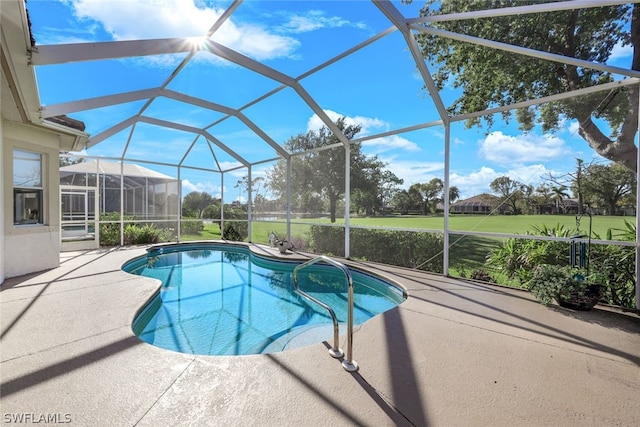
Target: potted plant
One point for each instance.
(284, 245)
(564, 284)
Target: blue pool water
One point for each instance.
(223, 300)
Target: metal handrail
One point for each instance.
(349, 364)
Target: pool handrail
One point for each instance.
(348, 364)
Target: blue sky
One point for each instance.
(378, 87)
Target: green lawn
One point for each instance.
(467, 252)
(511, 224)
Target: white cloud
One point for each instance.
(413, 171)
(148, 19)
(315, 20)
(387, 143)
(619, 51)
(573, 127)
(209, 187)
(478, 181)
(369, 125)
(525, 148)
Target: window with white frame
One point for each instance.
(27, 188)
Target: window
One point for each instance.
(27, 188)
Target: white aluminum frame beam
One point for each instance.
(399, 131)
(518, 10)
(97, 102)
(394, 15)
(225, 110)
(526, 51)
(108, 100)
(191, 129)
(557, 97)
(79, 52)
(311, 71)
(96, 139)
(246, 62)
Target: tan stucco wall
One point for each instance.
(30, 248)
(2, 239)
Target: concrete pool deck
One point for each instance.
(455, 353)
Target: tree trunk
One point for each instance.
(623, 150)
(332, 207)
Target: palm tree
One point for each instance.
(454, 193)
(559, 194)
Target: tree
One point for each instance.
(573, 180)
(509, 192)
(454, 193)
(543, 197)
(402, 202)
(529, 198)
(427, 194)
(194, 203)
(607, 185)
(320, 174)
(558, 194)
(377, 188)
(587, 34)
(256, 183)
(66, 160)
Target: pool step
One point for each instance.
(303, 336)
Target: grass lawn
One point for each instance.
(514, 224)
(511, 224)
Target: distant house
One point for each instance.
(480, 204)
(147, 194)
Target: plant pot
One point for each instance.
(284, 245)
(585, 302)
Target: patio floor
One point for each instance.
(454, 354)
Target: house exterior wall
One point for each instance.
(34, 247)
(2, 215)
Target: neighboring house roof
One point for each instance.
(113, 168)
(570, 202)
(483, 199)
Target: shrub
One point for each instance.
(131, 232)
(327, 240)
(110, 232)
(135, 234)
(554, 282)
(517, 258)
(148, 234)
(419, 250)
(191, 227)
(611, 266)
(236, 231)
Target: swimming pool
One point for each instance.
(221, 299)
